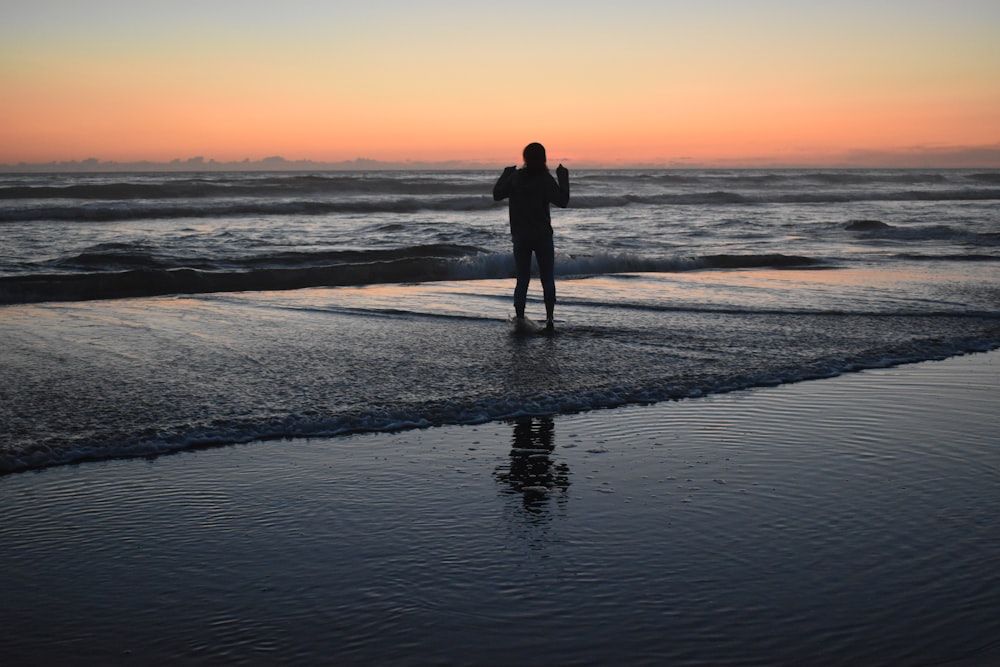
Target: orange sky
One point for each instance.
(720, 82)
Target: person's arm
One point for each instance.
(560, 196)
(502, 188)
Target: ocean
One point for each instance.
(146, 313)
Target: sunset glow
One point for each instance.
(612, 83)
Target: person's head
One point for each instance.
(534, 157)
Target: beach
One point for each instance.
(285, 418)
(849, 520)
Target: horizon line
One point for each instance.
(958, 157)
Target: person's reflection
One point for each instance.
(531, 471)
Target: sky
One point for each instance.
(617, 82)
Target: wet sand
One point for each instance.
(849, 520)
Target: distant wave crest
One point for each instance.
(876, 229)
(331, 194)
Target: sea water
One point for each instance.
(152, 312)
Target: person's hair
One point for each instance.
(534, 157)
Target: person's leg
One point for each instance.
(522, 270)
(545, 254)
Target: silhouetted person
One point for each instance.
(531, 189)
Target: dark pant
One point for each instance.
(545, 256)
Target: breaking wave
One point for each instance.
(131, 271)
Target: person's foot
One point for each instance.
(550, 325)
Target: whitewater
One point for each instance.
(145, 313)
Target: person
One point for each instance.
(531, 189)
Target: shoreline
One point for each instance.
(836, 521)
(138, 377)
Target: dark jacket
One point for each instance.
(530, 195)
